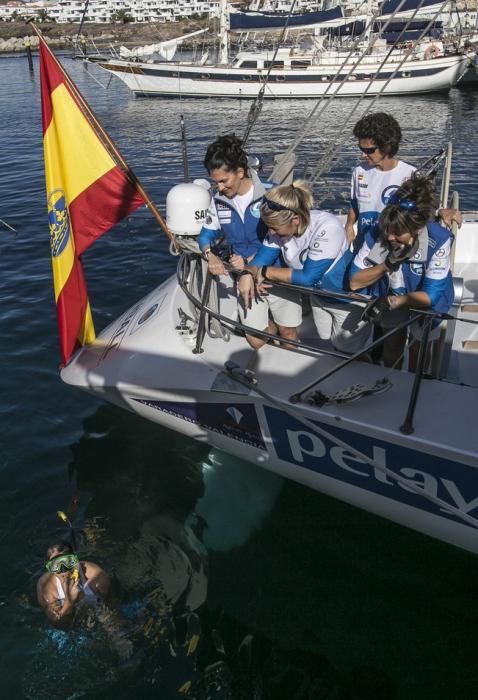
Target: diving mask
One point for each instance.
(62, 563)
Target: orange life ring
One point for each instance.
(432, 51)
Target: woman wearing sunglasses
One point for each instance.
(315, 249)
(379, 175)
(234, 209)
(68, 581)
(405, 263)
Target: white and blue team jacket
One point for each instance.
(318, 258)
(244, 237)
(428, 271)
(370, 193)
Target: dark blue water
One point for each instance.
(293, 595)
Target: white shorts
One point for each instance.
(285, 307)
(342, 324)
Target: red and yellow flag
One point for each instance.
(87, 193)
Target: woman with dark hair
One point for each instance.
(376, 179)
(405, 263)
(234, 210)
(316, 253)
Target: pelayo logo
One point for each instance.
(387, 193)
(58, 222)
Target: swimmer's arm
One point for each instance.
(58, 612)
(99, 582)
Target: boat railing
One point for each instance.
(198, 284)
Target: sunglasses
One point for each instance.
(275, 206)
(368, 151)
(406, 204)
(62, 563)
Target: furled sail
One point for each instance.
(263, 21)
(166, 49)
(407, 7)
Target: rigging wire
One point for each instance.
(331, 152)
(323, 103)
(256, 106)
(83, 15)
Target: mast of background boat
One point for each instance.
(223, 33)
(276, 174)
(184, 149)
(368, 24)
(81, 24)
(331, 150)
(256, 106)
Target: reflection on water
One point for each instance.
(143, 514)
(300, 600)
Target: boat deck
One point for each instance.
(281, 373)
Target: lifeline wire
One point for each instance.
(331, 152)
(326, 103)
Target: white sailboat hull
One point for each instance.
(144, 364)
(187, 80)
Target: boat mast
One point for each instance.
(368, 22)
(223, 33)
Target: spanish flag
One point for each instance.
(88, 191)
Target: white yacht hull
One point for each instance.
(187, 80)
(144, 364)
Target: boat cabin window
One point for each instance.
(300, 64)
(247, 64)
(274, 64)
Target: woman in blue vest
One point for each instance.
(234, 212)
(404, 263)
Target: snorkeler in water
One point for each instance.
(70, 583)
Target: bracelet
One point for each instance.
(206, 253)
(264, 272)
(245, 272)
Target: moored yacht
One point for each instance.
(293, 75)
(366, 66)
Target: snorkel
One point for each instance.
(77, 573)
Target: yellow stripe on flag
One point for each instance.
(87, 331)
(74, 156)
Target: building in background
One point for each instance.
(107, 11)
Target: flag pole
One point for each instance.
(104, 138)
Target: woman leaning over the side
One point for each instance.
(404, 263)
(316, 253)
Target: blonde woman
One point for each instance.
(315, 250)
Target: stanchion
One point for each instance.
(28, 49)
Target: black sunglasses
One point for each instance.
(275, 206)
(368, 151)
